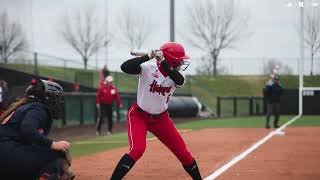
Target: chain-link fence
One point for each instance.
(73, 70)
(257, 66)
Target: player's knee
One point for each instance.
(57, 170)
(55, 176)
(136, 153)
(140, 151)
(46, 176)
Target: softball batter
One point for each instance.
(158, 79)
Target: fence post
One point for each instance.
(257, 107)
(234, 106)
(251, 106)
(64, 115)
(219, 106)
(1, 58)
(81, 110)
(64, 69)
(35, 71)
(116, 78)
(118, 115)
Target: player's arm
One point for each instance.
(174, 74)
(132, 66)
(29, 126)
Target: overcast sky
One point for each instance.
(271, 23)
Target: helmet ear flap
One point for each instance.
(35, 90)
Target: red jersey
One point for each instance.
(107, 94)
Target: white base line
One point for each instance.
(249, 150)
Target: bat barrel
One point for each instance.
(138, 52)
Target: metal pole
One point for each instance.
(107, 29)
(172, 20)
(301, 61)
(64, 68)
(219, 106)
(81, 110)
(1, 55)
(36, 72)
(32, 26)
(235, 106)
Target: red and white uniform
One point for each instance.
(154, 89)
(150, 114)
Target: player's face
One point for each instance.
(107, 82)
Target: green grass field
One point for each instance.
(103, 143)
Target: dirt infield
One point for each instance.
(295, 155)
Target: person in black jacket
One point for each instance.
(273, 91)
(26, 151)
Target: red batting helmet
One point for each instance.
(174, 53)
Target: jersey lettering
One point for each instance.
(155, 88)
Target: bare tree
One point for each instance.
(205, 67)
(312, 32)
(84, 35)
(216, 25)
(134, 29)
(12, 39)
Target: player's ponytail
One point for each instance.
(33, 93)
(12, 108)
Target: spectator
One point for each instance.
(272, 93)
(106, 95)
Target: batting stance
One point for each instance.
(158, 79)
(26, 151)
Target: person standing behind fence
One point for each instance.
(106, 95)
(272, 93)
